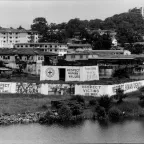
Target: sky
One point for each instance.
(14, 13)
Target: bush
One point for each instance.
(65, 113)
(114, 114)
(75, 107)
(79, 99)
(101, 114)
(141, 103)
(105, 102)
(93, 102)
(120, 95)
(121, 73)
(57, 104)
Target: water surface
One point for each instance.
(131, 131)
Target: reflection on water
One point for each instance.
(87, 132)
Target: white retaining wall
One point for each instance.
(66, 89)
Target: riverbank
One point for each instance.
(21, 108)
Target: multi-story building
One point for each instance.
(93, 54)
(138, 11)
(57, 48)
(9, 37)
(33, 57)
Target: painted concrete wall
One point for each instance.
(67, 89)
(72, 73)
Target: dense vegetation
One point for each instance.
(129, 27)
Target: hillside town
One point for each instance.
(74, 71)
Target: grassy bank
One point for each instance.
(20, 103)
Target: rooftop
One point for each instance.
(24, 51)
(40, 44)
(11, 30)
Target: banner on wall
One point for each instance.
(90, 73)
(73, 74)
(128, 87)
(91, 90)
(49, 73)
(60, 89)
(5, 87)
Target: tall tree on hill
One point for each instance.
(40, 25)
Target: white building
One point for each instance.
(57, 48)
(114, 41)
(69, 73)
(9, 37)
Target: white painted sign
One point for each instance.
(73, 74)
(90, 73)
(91, 90)
(5, 87)
(127, 87)
(49, 73)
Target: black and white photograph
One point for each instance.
(71, 71)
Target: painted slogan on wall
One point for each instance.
(91, 73)
(60, 89)
(27, 88)
(72, 74)
(88, 90)
(5, 87)
(127, 87)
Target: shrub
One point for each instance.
(79, 99)
(114, 114)
(120, 95)
(101, 114)
(75, 107)
(141, 103)
(57, 104)
(93, 102)
(105, 102)
(65, 113)
(121, 73)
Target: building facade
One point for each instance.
(9, 37)
(57, 48)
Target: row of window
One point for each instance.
(10, 37)
(81, 56)
(10, 41)
(5, 57)
(46, 46)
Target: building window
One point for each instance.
(4, 41)
(72, 56)
(10, 37)
(45, 45)
(39, 58)
(21, 46)
(50, 49)
(81, 56)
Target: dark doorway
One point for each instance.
(46, 60)
(62, 74)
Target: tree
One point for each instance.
(120, 95)
(20, 27)
(65, 113)
(105, 102)
(40, 25)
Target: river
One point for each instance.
(130, 131)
